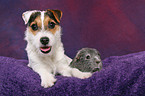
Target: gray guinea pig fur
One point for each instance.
(87, 60)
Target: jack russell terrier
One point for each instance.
(44, 47)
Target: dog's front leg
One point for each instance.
(68, 71)
(47, 79)
(64, 70)
(82, 75)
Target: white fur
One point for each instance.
(42, 18)
(46, 65)
(26, 15)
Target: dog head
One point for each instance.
(43, 29)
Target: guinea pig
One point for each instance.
(87, 60)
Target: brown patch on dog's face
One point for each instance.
(50, 24)
(55, 15)
(36, 25)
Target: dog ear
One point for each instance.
(57, 14)
(26, 15)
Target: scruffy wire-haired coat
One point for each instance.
(44, 47)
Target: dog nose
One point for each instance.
(44, 40)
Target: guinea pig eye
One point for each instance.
(51, 25)
(99, 54)
(34, 27)
(88, 57)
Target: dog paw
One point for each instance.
(47, 81)
(66, 74)
(28, 65)
(85, 75)
(81, 75)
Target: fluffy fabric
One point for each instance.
(120, 76)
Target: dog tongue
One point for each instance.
(45, 49)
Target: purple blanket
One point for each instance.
(121, 76)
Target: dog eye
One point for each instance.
(51, 25)
(34, 27)
(88, 57)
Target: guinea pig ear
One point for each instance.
(26, 15)
(78, 58)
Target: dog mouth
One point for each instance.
(45, 49)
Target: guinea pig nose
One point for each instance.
(96, 69)
(44, 40)
(98, 62)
